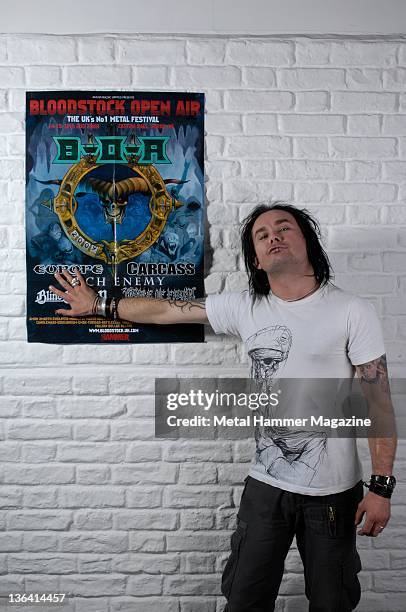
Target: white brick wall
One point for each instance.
(90, 502)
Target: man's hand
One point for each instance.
(80, 297)
(374, 382)
(377, 514)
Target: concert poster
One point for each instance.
(115, 188)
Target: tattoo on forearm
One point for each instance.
(375, 372)
(187, 305)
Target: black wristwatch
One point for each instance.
(381, 485)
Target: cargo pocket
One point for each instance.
(331, 521)
(351, 589)
(317, 518)
(231, 566)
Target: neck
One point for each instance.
(293, 286)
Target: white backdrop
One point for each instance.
(90, 503)
(211, 17)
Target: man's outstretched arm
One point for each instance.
(374, 381)
(81, 300)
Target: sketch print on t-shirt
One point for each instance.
(269, 349)
(280, 450)
(319, 338)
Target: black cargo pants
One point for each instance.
(268, 520)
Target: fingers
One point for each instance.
(376, 530)
(65, 313)
(371, 529)
(66, 274)
(62, 294)
(67, 298)
(62, 281)
(359, 514)
(80, 277)
(80, 297)
(68, 281)
(366, 528)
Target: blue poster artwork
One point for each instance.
(114, 188)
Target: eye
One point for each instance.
(283, 229)
(262, 236)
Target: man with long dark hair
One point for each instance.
(318, 260)
(295, 324)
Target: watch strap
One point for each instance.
(381, 485)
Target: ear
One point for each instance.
(256, 264)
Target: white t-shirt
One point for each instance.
(322, 336)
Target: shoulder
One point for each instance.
(232, 298)
(226, 311)
(333, 292)
(344, 298)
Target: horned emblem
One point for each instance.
(113, 195)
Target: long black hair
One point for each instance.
(258, 279)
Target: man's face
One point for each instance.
(278, 241)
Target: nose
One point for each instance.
(274, 237)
